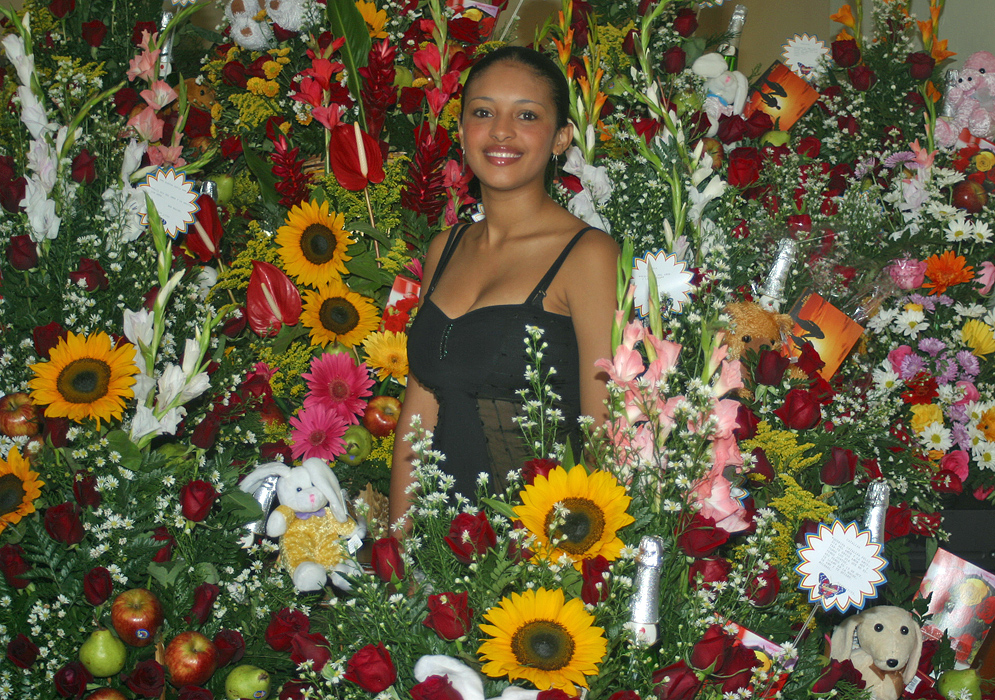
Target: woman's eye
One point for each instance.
(480, 112)
(529, 116)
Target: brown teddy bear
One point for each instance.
(753, 328)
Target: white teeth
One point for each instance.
(502, 154)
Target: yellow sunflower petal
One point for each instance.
(335, 313)
(19, 488)
(313, 243)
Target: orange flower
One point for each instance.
(931, 92)
(843, 35)
(844, 17)
(946, 271)
(939, 52)
(925, 30)
(563, 49)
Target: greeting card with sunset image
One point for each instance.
(830, 331)
(782, 94)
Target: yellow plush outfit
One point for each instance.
(317, 539)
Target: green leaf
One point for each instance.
(499, 507)
(286, 336)
(131, 456)
(264, 174)
(242, 505)
(347, 22)
(166, 577)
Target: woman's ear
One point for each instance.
(563, 138)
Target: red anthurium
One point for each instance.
(204, 237)
(271, 300)
(355, 168)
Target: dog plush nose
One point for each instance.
(892, 663)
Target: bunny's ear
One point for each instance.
(711, 65)
(324, 479)
(257, 476)
(842, 640)
(742, 90)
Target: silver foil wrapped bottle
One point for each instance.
(165, 48)
(772, 291)
(645, 606)
(265, 495)
(876, 508)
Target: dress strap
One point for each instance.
(455, 234)
(539, 293)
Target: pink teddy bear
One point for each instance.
(970, 99)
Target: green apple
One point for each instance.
(103, 654)
(775, 138)
(226, 187)
(964, 684)
(358, 445)
(402, 77)
(247, 681)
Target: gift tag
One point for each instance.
(841, 566)
(806, 56)
(673, 281)
(174, 196)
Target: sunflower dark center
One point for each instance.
(581, 528)
(338, 315)
(11, 493)
(543, 644)
(318, 244)
(84, 380)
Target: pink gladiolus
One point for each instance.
(167, 155)
(147, 125)
(725, 412)
(986, 277)
(664, 352)
(624, 367)
(714, 495)
(730, 379)
(144, 65)
(634, 332)
(328, 117)
(158, 95)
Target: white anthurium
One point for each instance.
(464, 679)
(24, 63)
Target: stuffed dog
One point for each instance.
(884, 644)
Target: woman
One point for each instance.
(528, 263)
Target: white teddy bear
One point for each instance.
(248, 19)
(726, 90)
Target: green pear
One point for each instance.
(963, 684)
(103, 654)
(247, 681)
(358, 445)
(775, 138)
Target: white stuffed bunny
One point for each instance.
(726, 90)
(312, 523)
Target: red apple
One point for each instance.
(713, 147)
(137, 616)
(18, 416)
(191, 659)
(106, 694)
(381, 415)
(970, 196)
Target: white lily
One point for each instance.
(41, 211)
(24, 63)
(33, 114)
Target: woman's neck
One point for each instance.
(510, 214)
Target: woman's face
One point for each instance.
(509, 129)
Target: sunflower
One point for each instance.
(387, 353)
(335, 313)
(538, 637)
(313, 243)
(588, 510)
(978, 336)
(375, 19)
(947, 270)
(19, 487)
(86, 377)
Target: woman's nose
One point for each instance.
(502, 128)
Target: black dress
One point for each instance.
(475, 365)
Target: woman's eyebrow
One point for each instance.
(523, 100)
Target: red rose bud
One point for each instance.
(629, 43)
(193, 692)
(435, 688)
(732, 128)
(700, 536)
(84, 170)
(283, 625)
(62, 523)
(709, 652)
(596, 581)
(686, 21)
(746, 423)
(272, 300)
(298, 690)
(89, 275)
(538, 467)
(22, 252)
(737, 670)
(12, 194)
(703, 573)
(386, 560)
(674, 60)
(371, 668)
(235, 322)
(758, 124)
(22, 652)
(552, 694)
(470, 536)
(676, 682)
(845, 53)
(198, 124)
(897, 521)
(624, 695)
(310, 647)
(94, 32)
(862, 78)
(147, 679)
(805, 528)
(809, 146)
(231, 647)
(411, 100)
(61, 8)
(835, 672)
(744, 166)
(85, 489)
(139, 28)
(762, 470)
(196, 499)
(125, 100)
(921, 65)
(771, 367)
(12, 565)
(165, 553)
(203, 600)
(355, 167)
(97, 585)
(763, 588)
(234, 74)
(840, 468)
(204, 237)
(448, 615)
(71, 680)
(800, 411)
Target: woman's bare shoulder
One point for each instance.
(596, 248)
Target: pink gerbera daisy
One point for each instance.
(337, 384)
(317, 432)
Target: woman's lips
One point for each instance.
(501, 156)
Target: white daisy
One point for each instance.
(882, 319)
(984, 455)
(936, 437)
(885, 379)
(911, 322)
(982, 232)
(959, 230)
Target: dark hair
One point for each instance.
(539, 63)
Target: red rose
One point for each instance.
(12, 565)
(386, 559)
(136, 31)
(732, 128)
(62, 523)
(310, 647)
(231, 647)
(862, 78)
(283, 626)
(435, 688)
(193, 692)
(97, 585)
(22, 252)
(552, 694)
(835, 672)
(762, 469)
(624, 695)
(596, 582)
(800, 222)
(165, 553)
(738, 668)
(921, 65)
(85, 488)
(12, 193)
(848, 125)
(763, 588)
(926, 524)
(234, 74)
(278, 451)
(845, 53)
(61, 8)
(676, 682)
(371, 668)
(986, 610)
(758, 124)
(89, 275)
(470, 536)
(448, 615)
(22, 652)
(746, 423)
(840, 468)
(771, 367)
(147, 679)
(70, 680)
(203, 600)
(629, 42)
(94, 32)
(701, 537)
(206, 432)
(809, 146)
(84, 170)
(897, 521)
(125, 100)
(709, 652)
(744, 166)
(800, 411)
(231, 148)
(297, 690)
(198, 124)
(196, 498)
(538, 467)
(708, 572)
(686, 21)
(674, 60)
(411, 99)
